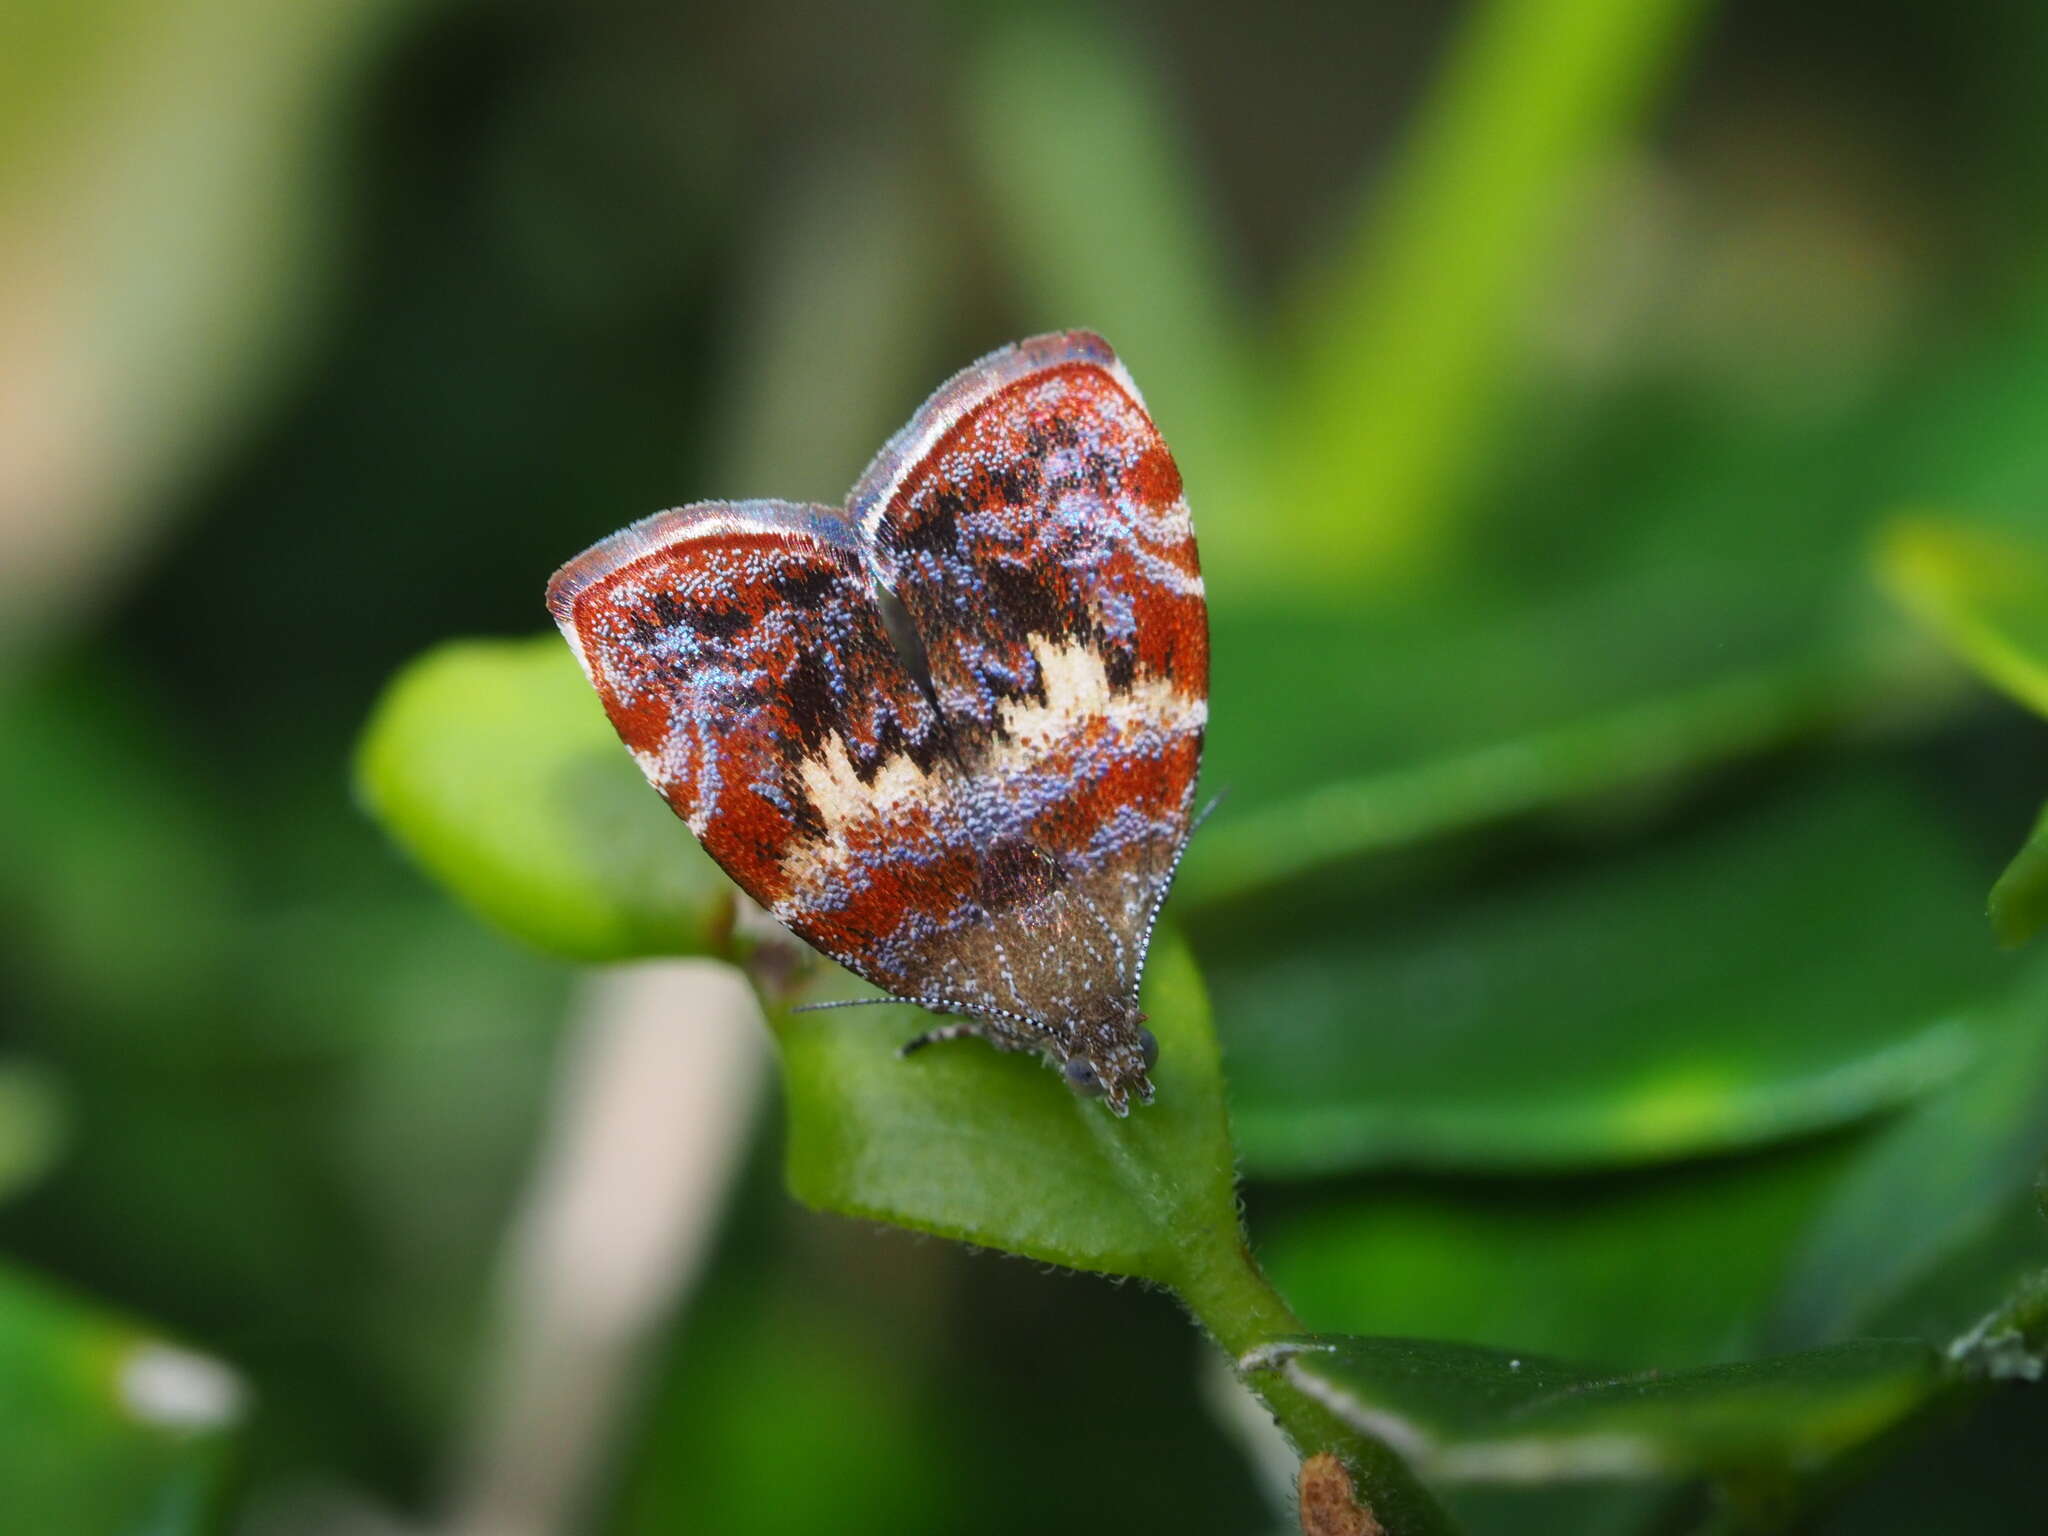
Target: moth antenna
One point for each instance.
(851, 1002)
(1166, 889)
(930, 1004)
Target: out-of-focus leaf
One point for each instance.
(1932, 1187)
(1635, 750)
(994, 1149)
(1464, 1413)
(105, 1428)
(2019, 901)
(492, 763)
(32, 1127)
(1737, 558)
(1719, 988)
(1969, 435)
(1410, 337)
(1983, 593)
(1579, 1269)
(1301, 699)
(1999, 1264)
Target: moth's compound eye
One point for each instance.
(1081, 1076)
(1148, 1046)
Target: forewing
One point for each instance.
(1030, 520)
(740, 654)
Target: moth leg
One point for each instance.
(969, 1029)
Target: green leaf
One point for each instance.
(1653, 560)
(491, 762)
(1636, 750)
(1579, 1269)
(1970, 434)
(1461, 1413)
(1663, 647)
(1930, 1227)
(994, 1149)
(2019, 901)
(1408, 342)
(1983, 593)
(105, 1428)
(1783, 966)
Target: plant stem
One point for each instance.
(1233, 1300)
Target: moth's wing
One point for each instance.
(740, 654)
(1031, 522)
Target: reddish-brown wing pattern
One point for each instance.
(998, 846)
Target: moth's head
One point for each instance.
(1113, 1059)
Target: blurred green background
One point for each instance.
(1595, 924)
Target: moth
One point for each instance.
(948, 733)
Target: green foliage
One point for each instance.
(1621, 1009)
(1464, 1413)
(494, 766)
(1404, 349)
(1928, 1225)
(995, 1150)
(481, 762)
(2019, 901)
(112, 1430)
(1656, 957)
(1982, 592)
(969, 1144)
(32, 1126)
(1588, 1262)
(1638, 752)
(1591, 921)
